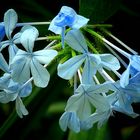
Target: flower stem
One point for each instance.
(99, 25)
(75, 82)
(109, 43)
(115, 54)
(80, 77)
(32, 23)
(120, 42)
(105, 75)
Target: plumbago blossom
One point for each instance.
(9, 24)
(67, 17)
(94, 100)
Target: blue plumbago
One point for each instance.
(128, 95)
(67, 17)
(94, 100)
(10, 21)
(24, 61)
(132, 69)
(93, 62)
(10, 91)
(86, 99)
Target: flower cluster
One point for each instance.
(94, 100)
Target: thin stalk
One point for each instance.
(109, 43)
(96, 80)
(120, 42)
(32, 23)
(50, 44)
(75, 82)
(98, 25)
(106, 76)
(80, 76)
(115, 54)
(117, 73)
(41, 38)
(98, 83)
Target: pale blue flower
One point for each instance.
(11, 91)
(93, 62)
(132, 69)
(128, 95)
(10, 21)
(26, 61)
(9, 88)
(86, 98)
(67, 17)
(70, 120)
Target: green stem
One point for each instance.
(98, 25)
(119, 41)
(107, 42)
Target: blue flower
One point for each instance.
(132, 69)
(128, 95)
(93, 62)
(82, 103)
(70, 120)
(67, 17)
(2, 31)
(10, 21)
(26, 61)
(11, 91)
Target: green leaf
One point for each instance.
(98, 10)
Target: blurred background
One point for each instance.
(46, 105)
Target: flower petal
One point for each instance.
(76, 40)
(28, 38)
(124, 80)
(4, 81)
(69, 119)
(13, 49)
(20, 69)
(40, 74)
(88, 71)
(109, 61)
(69, 68)
(79, 103)
(5, 97)
(54, 28)
(2, 31)
(20, 108)
(45, 56)
(3, 64)
(79, 22)
(10, 20)
(26, 91)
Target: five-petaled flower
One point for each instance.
(67, 17)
